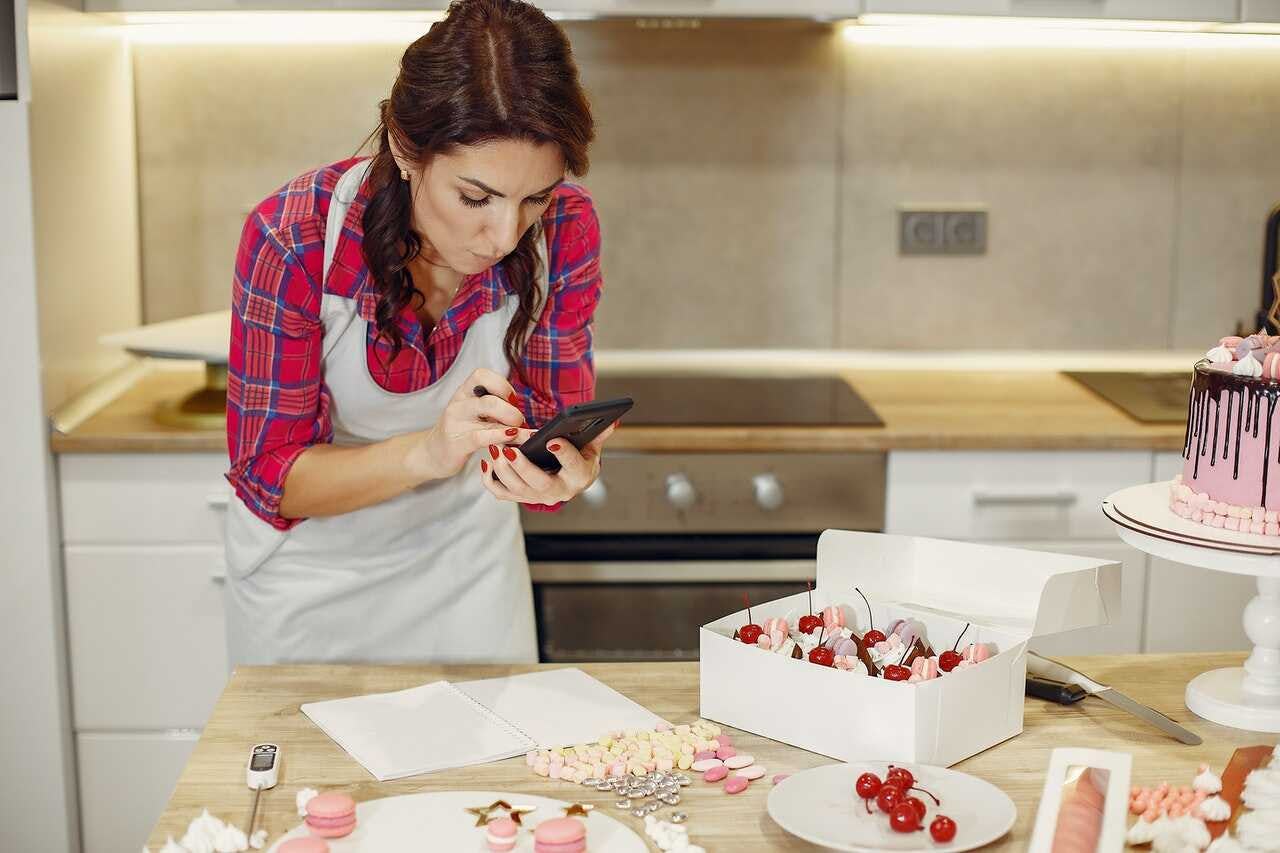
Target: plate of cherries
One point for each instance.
(873, 805)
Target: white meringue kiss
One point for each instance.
(1207, 781)
(1220, 355)
(1262, 789)
(1215, 809)
(1260, 830)
(1224, 843)
(1248, 367)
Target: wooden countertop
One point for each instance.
(921, 410)
(261, 704)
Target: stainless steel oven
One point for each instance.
(666, 542)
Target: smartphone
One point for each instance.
(578, 424)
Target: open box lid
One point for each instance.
(1032, 593)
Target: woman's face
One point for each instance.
(471, 207)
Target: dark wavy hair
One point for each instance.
(490, 70)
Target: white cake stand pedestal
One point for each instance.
(1245, 697)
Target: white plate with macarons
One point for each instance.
(822, 807)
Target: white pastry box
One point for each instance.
(1008, 595)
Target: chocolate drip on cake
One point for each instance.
(1208, 387)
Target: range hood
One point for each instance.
(1179, 15)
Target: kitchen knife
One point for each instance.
(1055, 691)
(1045, 669)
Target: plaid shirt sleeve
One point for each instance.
(277, 404)
(558, 359)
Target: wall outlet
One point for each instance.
(927, 231)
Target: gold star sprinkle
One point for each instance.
(578, 810)
(485, 814)
(515, 813)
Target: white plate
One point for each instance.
(439, 822)
(820, 806)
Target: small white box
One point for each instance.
(1008, 595)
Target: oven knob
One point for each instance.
(596, 494)
(680, 492)
(768, 491)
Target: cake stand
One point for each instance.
(1245, 697)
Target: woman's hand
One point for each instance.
(524, 482)
(470, 424)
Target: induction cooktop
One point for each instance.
(738, 401)
(1149, 397)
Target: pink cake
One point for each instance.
(1231, 475)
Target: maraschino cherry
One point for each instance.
(889, 796)
(821, 655)
(947, 660)
(918, 805)
(872, 636)
(898, 672)
(749, 632)
(868, 785)
(904, 818)
(943, 829)
(902, 777)
(809, 624)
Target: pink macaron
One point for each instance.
(331, 815)
(501, 835)
(560, 835)
(310, 844)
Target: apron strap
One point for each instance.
(343, 194)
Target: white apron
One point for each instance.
(436, 574)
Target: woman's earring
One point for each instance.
(404, 175)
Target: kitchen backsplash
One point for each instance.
(748, 177)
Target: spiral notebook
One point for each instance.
(443, 725)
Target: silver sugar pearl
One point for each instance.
(679, 817)
(639, 812)
(622, 803)
(591, 782)
(683, 780)
(652, 807)
(604, 787)
(671, 800)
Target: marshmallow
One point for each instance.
(304, 796)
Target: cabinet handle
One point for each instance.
(986, 497)
(218, 500)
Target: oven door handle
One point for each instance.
(674, 571)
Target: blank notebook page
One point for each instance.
(559, 707)
(432, 727)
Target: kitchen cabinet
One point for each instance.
(143, 562)
(1142, 10)
(125, 782)
(8, 51)
(1039, 500)
(1193, 609)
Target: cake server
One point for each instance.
(1044, 668)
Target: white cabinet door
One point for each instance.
(1196, 610)
(1158, 10)
(146, 635)
(125, 783)
(1123, 633)
(1260, 11)
(1008, 495)
(1191, 609)
(122, 498)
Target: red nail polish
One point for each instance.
(509, 453)
(484, 467)
(554, 448)
(513, 400)
(493, 451)
(513, 431)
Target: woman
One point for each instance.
(398, 326)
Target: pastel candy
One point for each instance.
(705, 764)
(751, 773)
(715, 774)
(737, 762)
(832, 617)
(976, 652)
(724, 740)
(780, 777)
(725, 752)
(685, 762)
(704, 755)
(735, 785)
(780, 625)
(665, 764)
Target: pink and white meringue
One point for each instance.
(1207, 781)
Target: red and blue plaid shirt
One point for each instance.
(277, 402)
